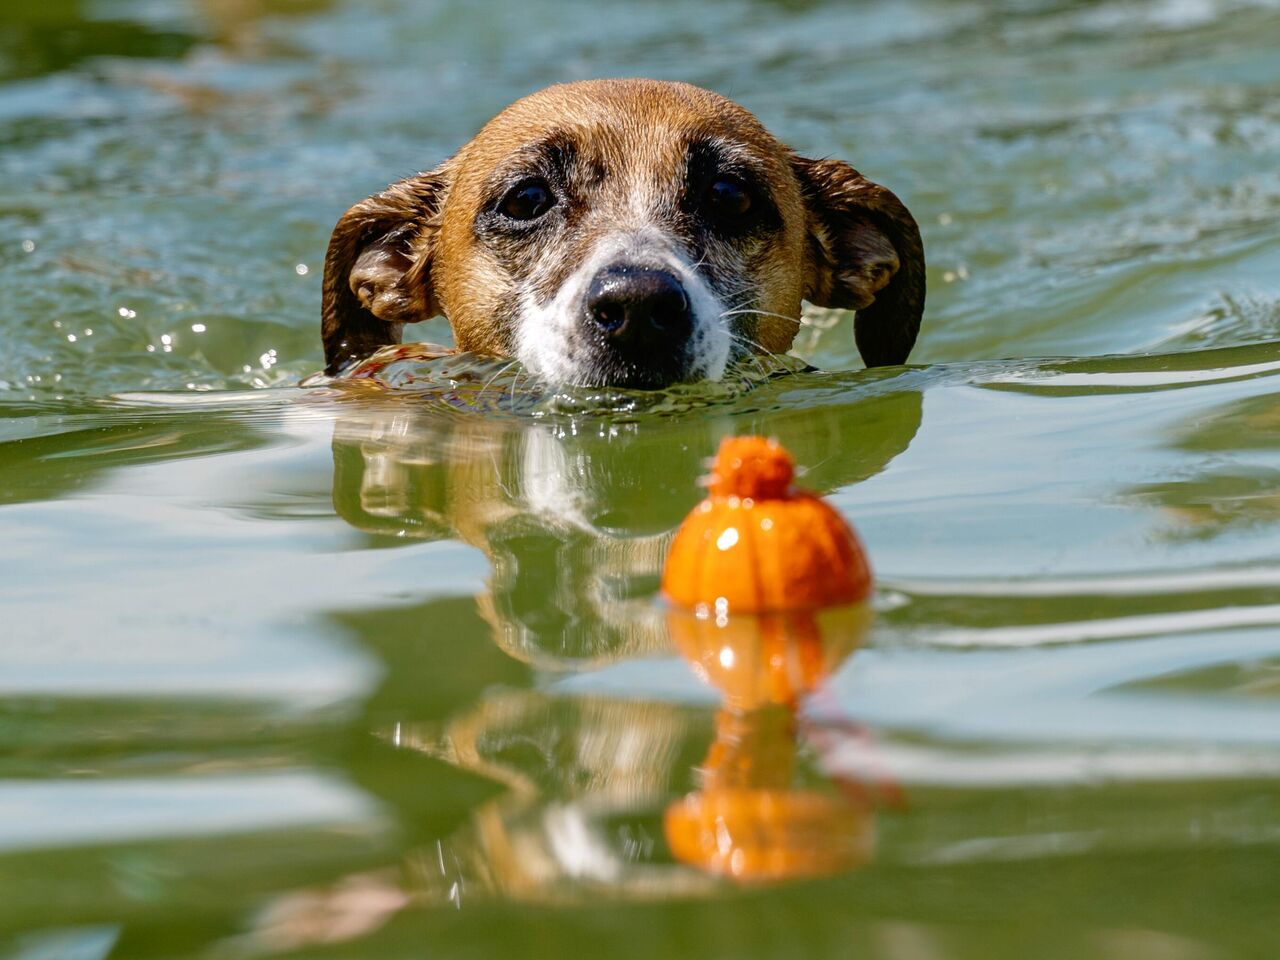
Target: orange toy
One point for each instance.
(758, 544)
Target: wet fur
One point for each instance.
(626, 158)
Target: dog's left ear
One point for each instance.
(377, 272)
(865, 255)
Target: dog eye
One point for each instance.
(527, 200)
(729, 197)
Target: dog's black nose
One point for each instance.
(638, 305)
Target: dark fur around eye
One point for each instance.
(532, 185)
(726, 193)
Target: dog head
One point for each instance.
(624, 232)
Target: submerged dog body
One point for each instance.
(624, 232)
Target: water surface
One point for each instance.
(347, 672)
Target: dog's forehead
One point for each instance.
(636, 125)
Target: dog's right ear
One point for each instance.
(377, 273)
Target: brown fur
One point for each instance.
(416, 250)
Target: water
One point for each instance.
(338, 672)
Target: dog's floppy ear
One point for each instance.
(377, 273)
(865, 255)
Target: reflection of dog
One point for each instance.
(585, 775)
(574, 519)
(624, 232)
(575, 524)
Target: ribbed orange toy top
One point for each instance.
(751, 467)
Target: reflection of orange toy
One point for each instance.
(769, 835)
(757, 544)
(772, 658)
(749, 820)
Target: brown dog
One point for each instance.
(624, 232)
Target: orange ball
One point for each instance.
(757, 544)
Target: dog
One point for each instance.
(624, 233)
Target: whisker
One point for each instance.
(488, 383)
(700, 263)
(511, 397)
(754, 348)
(757, 347)
(736, 311)
(753, 355)
(776, 365)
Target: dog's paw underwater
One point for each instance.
(624, 233)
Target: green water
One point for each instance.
(328, 673)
